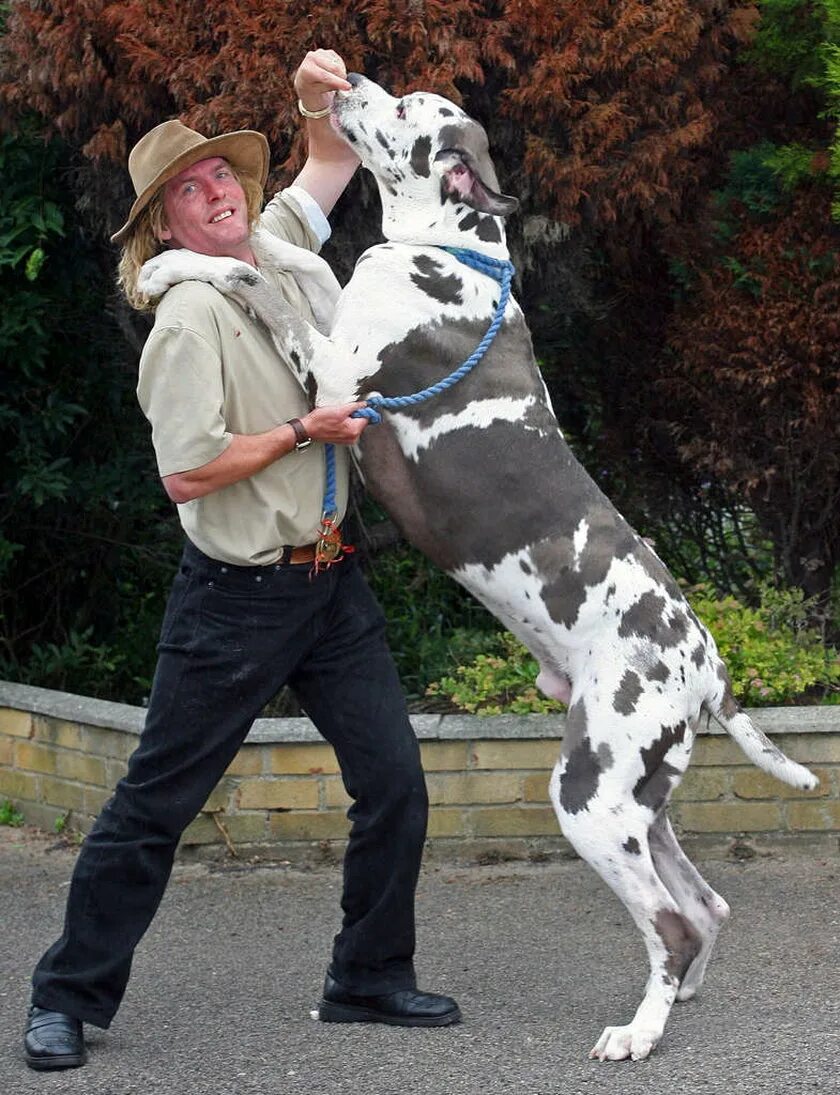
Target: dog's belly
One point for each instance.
(511, 515)
(623, 639)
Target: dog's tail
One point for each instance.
(754, 742)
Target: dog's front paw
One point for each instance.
(163, 271)
(156, 276)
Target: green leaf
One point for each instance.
(34, 263)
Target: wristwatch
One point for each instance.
(302, 438)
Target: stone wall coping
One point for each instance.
(122, 716)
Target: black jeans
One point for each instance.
(231, 637)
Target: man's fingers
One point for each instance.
(333, 81)
(358, 425)
(324, 67)
(336, 423)
(330, 60)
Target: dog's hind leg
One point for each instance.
(619, 852)
(706, 910)
(600, 803)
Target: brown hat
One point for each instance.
(172, 146)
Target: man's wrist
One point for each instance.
(302, 438)
(312, 112)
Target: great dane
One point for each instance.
(482, 481)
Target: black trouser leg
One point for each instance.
(350, 689)
(222, 655)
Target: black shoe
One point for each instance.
(404, 1008)
(53, 1040)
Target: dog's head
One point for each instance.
(432, 164)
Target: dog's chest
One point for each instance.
(415, 317)
(413, 311)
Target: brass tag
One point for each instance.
(327, 551)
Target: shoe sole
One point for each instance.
(329, 1012)
(48, 1064)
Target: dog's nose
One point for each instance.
(354, 79)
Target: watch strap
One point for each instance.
(302, 438)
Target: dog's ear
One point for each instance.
(472, 181)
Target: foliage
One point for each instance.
(83, 549)
(707, 537)
(748, 389)
(615, 118)
(498, 682)
(788, 40)
(29, 222)
(763, 320)
(772, 655)
(800, 39)
(795, 164)
(753, 184)
(9, 815)
(608, 107)
(731, 371)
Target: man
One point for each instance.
(241, 454)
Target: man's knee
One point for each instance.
(393, 794)
(137, 812)
(401, 809)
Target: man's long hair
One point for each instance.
(144, 241)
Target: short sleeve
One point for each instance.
(284, 216)
(311, 210)
(181, 393)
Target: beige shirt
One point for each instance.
(208, 371)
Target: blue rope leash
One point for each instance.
(501, 270)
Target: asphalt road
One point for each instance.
(539, 957)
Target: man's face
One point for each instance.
(206, 210)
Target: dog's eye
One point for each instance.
(400, 110)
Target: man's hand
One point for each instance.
(334, 424)
(331, 161)
(321, 73)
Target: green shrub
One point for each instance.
(497, 682)
(9, 815)
(89, 541)
(772, 655)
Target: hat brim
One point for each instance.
(245, 150)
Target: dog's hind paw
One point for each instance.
(619, 1043)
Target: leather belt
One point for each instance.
(294, 555)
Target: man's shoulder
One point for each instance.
(192, 305)
(289, 215)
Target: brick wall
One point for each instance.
(282, 796)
